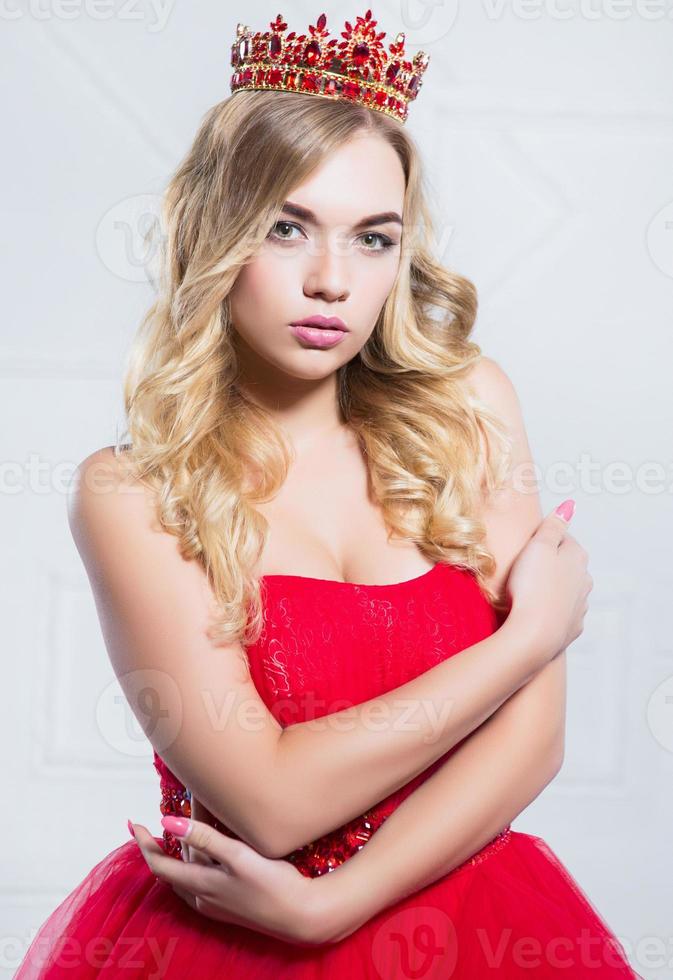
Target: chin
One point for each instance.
(314, 368)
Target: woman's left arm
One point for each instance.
(488, 779)
(487, 782)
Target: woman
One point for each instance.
(306, 528)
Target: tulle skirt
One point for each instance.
(515, 914)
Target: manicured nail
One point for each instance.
(130, 827)
(566, 509)
(176, 825)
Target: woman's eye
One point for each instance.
(383, 239)
(284, 224)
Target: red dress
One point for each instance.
(512, 910)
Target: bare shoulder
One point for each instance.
(493, 386)
(125, 548)
(103, 490)
(511, 514)
(114, 523)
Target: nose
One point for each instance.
(326, 275)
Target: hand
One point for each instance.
(227, 880)
(548, 586)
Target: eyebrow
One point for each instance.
(382, 218)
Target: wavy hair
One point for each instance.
(209, 453)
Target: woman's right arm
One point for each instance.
(277, 789)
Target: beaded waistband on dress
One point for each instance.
(320, 856)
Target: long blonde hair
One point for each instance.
(195, 439)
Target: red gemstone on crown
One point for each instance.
(360, 54)
(274, 46)
(310, 83)
(312, 53)
(392, 71)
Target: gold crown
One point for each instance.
(357, 68)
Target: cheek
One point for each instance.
(255, 295)
(376, 278)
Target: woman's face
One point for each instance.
(331, 264)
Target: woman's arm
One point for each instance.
(487, 782)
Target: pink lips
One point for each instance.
(333, 322)
(320, 331)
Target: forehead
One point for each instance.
(361, 177)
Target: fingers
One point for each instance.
(190, 876)
(555, 525)
(185, 896)
(204, 839)
(197, 857)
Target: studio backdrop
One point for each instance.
(547, 130)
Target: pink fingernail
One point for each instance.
(176, 825)
(566, 509)
(130, 827)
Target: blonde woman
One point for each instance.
(319, 553)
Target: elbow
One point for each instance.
(266, 847)
(262, 839)
(266, 835)
(556, 755)
(255, 825)
(277, 842)
(279, 837)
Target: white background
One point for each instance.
(547, 131)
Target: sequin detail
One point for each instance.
(498, 842)
(331, 850)
(176, 801)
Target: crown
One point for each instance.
(358, 68)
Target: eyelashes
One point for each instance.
(385, 242)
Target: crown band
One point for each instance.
(358, 68)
